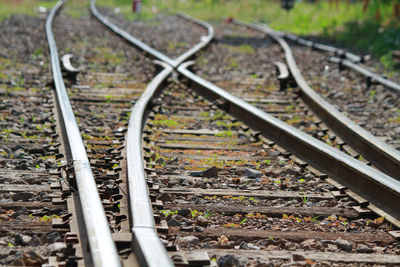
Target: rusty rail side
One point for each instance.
(373, 185)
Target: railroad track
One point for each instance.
(360, 96)
(231, 195)
(60, 206)
(223, 188)
(174, 156)
(102, 103)
(301, 106)
(345, 59)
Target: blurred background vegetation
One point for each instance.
(370, 26)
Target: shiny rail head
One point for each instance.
(102, 246)
(149, 249)
(142, 212)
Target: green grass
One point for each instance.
(11, 7)
(74, 8)
(244, 48)
(347, 25)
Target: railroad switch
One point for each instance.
(285, 78)
(69, 71)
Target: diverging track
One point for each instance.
(381, 155)
(105, 158)
(217, 187)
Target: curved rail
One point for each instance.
(102, 247)
(146, 240)
(205, 40)
(136, 42)
(323, 47)
(373, 185)
(383, 156)
(350, 62)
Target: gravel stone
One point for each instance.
(165, 197)
(191, 240)
(273, 153)
(202, 221)
(297, 264)
(53, 236)
(184, 212)
(209, 173)
(364, 249)
(206, 245)
(243, 245)
(30, 258)
(344, 244)
(250, 173)
(298, 257)
(229, 260)
(264, 264)
(26, 239)
(35, 241)
(24, 196)
(198, 228)
(187, 229)
(253, 247)
(56, 247)
(173, 222)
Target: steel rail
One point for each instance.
(383, 156)
(204, 41)
(375, 186)
(378, 188)
(369, 74)
(323, 47)
(147, 245)
(146, 241)
(340, 53)
(102, 247)
(136, 42)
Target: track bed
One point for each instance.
(235, 196)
